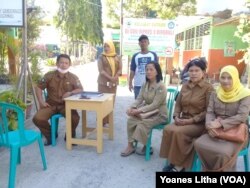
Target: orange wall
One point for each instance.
(187, 55)
(217, 60)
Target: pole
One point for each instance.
(121, 28)
(25, 53)
(23, 80)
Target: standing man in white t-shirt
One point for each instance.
(138, 63)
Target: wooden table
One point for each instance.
(103, 106)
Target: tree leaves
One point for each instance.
(164, 9)
(81, 20)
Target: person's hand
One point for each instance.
(213, 133)
(43, 104)
(128, 112)
(114, 79)
(131, 87)
(183, 122)
(67, 94)
(135, 112)
(187, 121)
(178, 121)
(213, 124)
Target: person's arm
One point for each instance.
(156, 57)
(240, 117)
(159, 98)
(39, 95)
(133, 109)
(77, 87)
(202, 115)
(132, 73)
(119, 71)
(101, 69)
(42, 85)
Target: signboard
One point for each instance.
(11, 13)
(229, 49)
(160, 33)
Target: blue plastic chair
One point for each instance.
(14, 140)
(171, 95)
(54, 122)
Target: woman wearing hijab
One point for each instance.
(110, 68)
(189, 119)
(228, 107)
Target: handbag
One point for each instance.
(145, 115)
(234, 134)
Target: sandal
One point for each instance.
(175, 170)
(167, 168)
(126, 154)
(143, 151)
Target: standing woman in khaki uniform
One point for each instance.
(228, 107)
(110, 68)
(152, 96)
(189, 119)
(59, 84)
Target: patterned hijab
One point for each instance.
(110, 56)
(237, 92)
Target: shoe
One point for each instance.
(123, 154)
(175, 170)
(167, 168)
(143, 151)
(47, 142)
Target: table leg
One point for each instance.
(68, 128)
(84, 123)
(99, 132)
(111, 126)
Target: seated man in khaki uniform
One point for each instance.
(59, 84)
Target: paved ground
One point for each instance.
(82, 166)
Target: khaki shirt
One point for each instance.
(103, 65)
(57, 86)
(193, 100)
(232, 113)
(153, 97)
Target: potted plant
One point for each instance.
(9, 97)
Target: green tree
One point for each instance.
(81, 20)
(164, 9)
(243, 32)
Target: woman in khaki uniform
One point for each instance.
(110, 68)
(189, 119)
(228, 107)
(152, 96)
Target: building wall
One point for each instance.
(223, 33)
(216, 57)
(217, 61)
(190, 54)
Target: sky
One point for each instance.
(204, 6)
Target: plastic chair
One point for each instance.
(14, 140)
(54, 121)
(171, 94)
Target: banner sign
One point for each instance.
(11, 13)
(160, 33)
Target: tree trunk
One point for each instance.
(12, 62)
